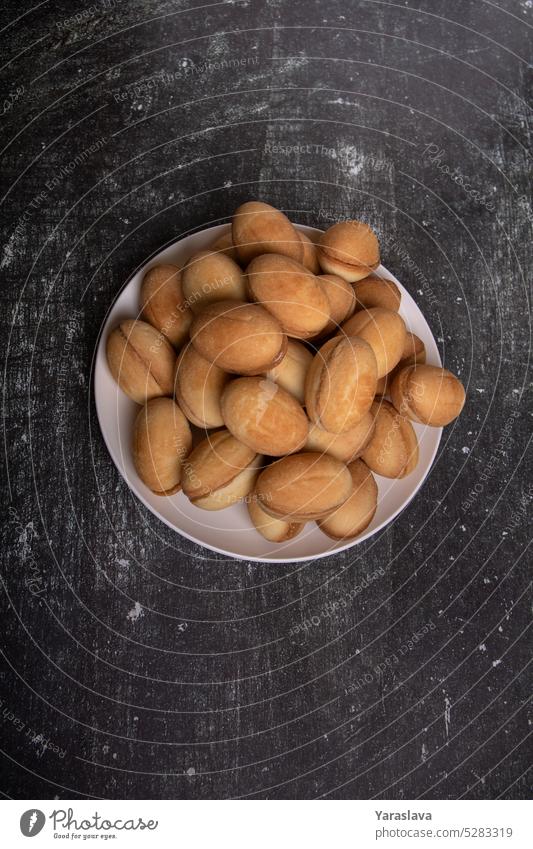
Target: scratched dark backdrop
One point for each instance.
(135, 664)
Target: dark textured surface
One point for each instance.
(154, 668)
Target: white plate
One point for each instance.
(230, 531)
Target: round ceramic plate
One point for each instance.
(230, 531)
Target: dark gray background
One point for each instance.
(135, 664)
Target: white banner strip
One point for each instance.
(263, 825)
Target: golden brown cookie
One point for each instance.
(209, 277)
(354, 516)
(414, 351)
(291, 371)
(345, 446)
(349, 249)
(161, 441)
(264, 416)
(290, 293)
(258, 228)
(341, 383)
(198, 387)
(274, 530)
(393, 449)
(375, 291)
(428, 394)
(310, 255)
(142, 360)
(224, 244)
(219, 472)
(341, 298)
(163, 304)
(303, 486)
(237, 337)
(385, 332)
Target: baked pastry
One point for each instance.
(238, 337)
(142, 360)
(224, 245)
(291, 371)
(310, 255)
(303, 486)
(258, 228)
(382, 385)
(239, 314)
(345, 446)
(375, 291)
(163, 304)
(428, 394)
(220, 471)
(198, 386)
(289, 292)
(354, 516)
(209, 277)
(262, 415)
(274, 530)
(414, 351)
(341, 299)
(341, 383)
(393, 449)
(161, 441)
(349, 249)
(385, 332)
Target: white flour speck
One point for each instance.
(135, 613)
(9, 253)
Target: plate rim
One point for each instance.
(335, 549)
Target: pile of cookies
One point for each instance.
(263, 369)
